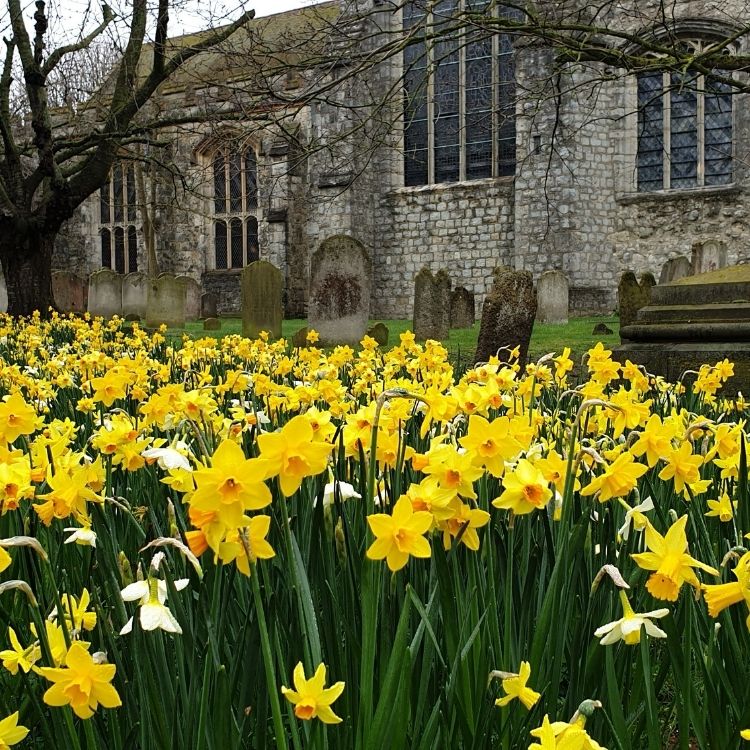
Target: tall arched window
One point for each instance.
(459, 94)
(235, 202)
(684, 130)
(117, 217)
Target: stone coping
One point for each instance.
(629, 198)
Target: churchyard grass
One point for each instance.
(576, 334)
(226, 545)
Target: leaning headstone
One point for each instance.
(211, 324)
(710, 255)
(209, 304)
(646, 281)
(432, 305)
(380, 333)
(507, 315)
(69, 292)
(166, 302)
(300, 337)
(675, 269)
(463, 312)
(632, 296)
(105, 293)
(262, 307)
(192, 297)
(135, 294)
(340, 283)
(552, 298)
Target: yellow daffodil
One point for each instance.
(311, 699)
(19, 657)
(526, 489)
(628, 627)
(617, 480)
(399, 535)
(669, 559)
(723, 508)
(515, 687)
(11, 732)
(16, 418)
(490, 444)
(723, 595)
(682, 467)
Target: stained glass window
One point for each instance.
(235, 183)
(118, 211)
(459, 94)
(684, 131)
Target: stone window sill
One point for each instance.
(223, 271)
(627, 199)
(463, 184)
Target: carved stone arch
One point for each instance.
(690, 28)
(220, 138)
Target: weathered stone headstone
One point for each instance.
(602, 329)
(192, 297)
(262, 309)
(380, 333)
(710, 255)
(105, 293)
(646, 281)
(69, 292)
(300, 337)
(632, 296)
(463, 312)
(432, 305)
(507, 315)
(3, 293)
(135, 294)
(211, 324)
(166, 302)
(675, 269)
(340, 282)
(552, 291)
(209, 304)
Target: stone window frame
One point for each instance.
(503, 128)
(118, 230)
(240, 210)
(693, 32)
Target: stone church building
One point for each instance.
(463, 151)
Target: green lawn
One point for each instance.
(577, 334)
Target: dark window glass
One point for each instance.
(106, 238)
(251, 228)
(104, 208)
(683, 152)
(237, 253)
(220, 243)
(717, 122)
(117, 195)
(235, 183)
(650, 158)
(131, 193)
(220, 185)
(251, 179)
(132, 249)
(119, 250)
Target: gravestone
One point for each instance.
(552, 298)
(192, 297)
(300, 338)
(380, 333)
(69, 292)
(262, 310)
(135, 294)
(432, 305)
(211, 324)
(675, 269)
(507, 315)
(340, 283)
(105, 293)
(710, 255)
(463, 312)
(165, 302)
(3, 293)
(632, 296)
(209, 304)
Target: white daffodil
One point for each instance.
(628, 628)
(345, 490)
(151, 594)
(635, 517)
(83, 536)
(168, 458)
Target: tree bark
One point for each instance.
(26, 258)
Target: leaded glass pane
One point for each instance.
(237, 253)
(415, 167)
(106, 240)
(132, 249)
(251, 230)
(717, 133)
(683, 152)
(131, 193)
(446, 164)
(120, 250)
(235, 183)
(251, 179)
(650, 158)
(117, 195)
(220, 185)
(478, 160)
(220, 243)
(104, 208)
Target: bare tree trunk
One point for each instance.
(27, 266)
